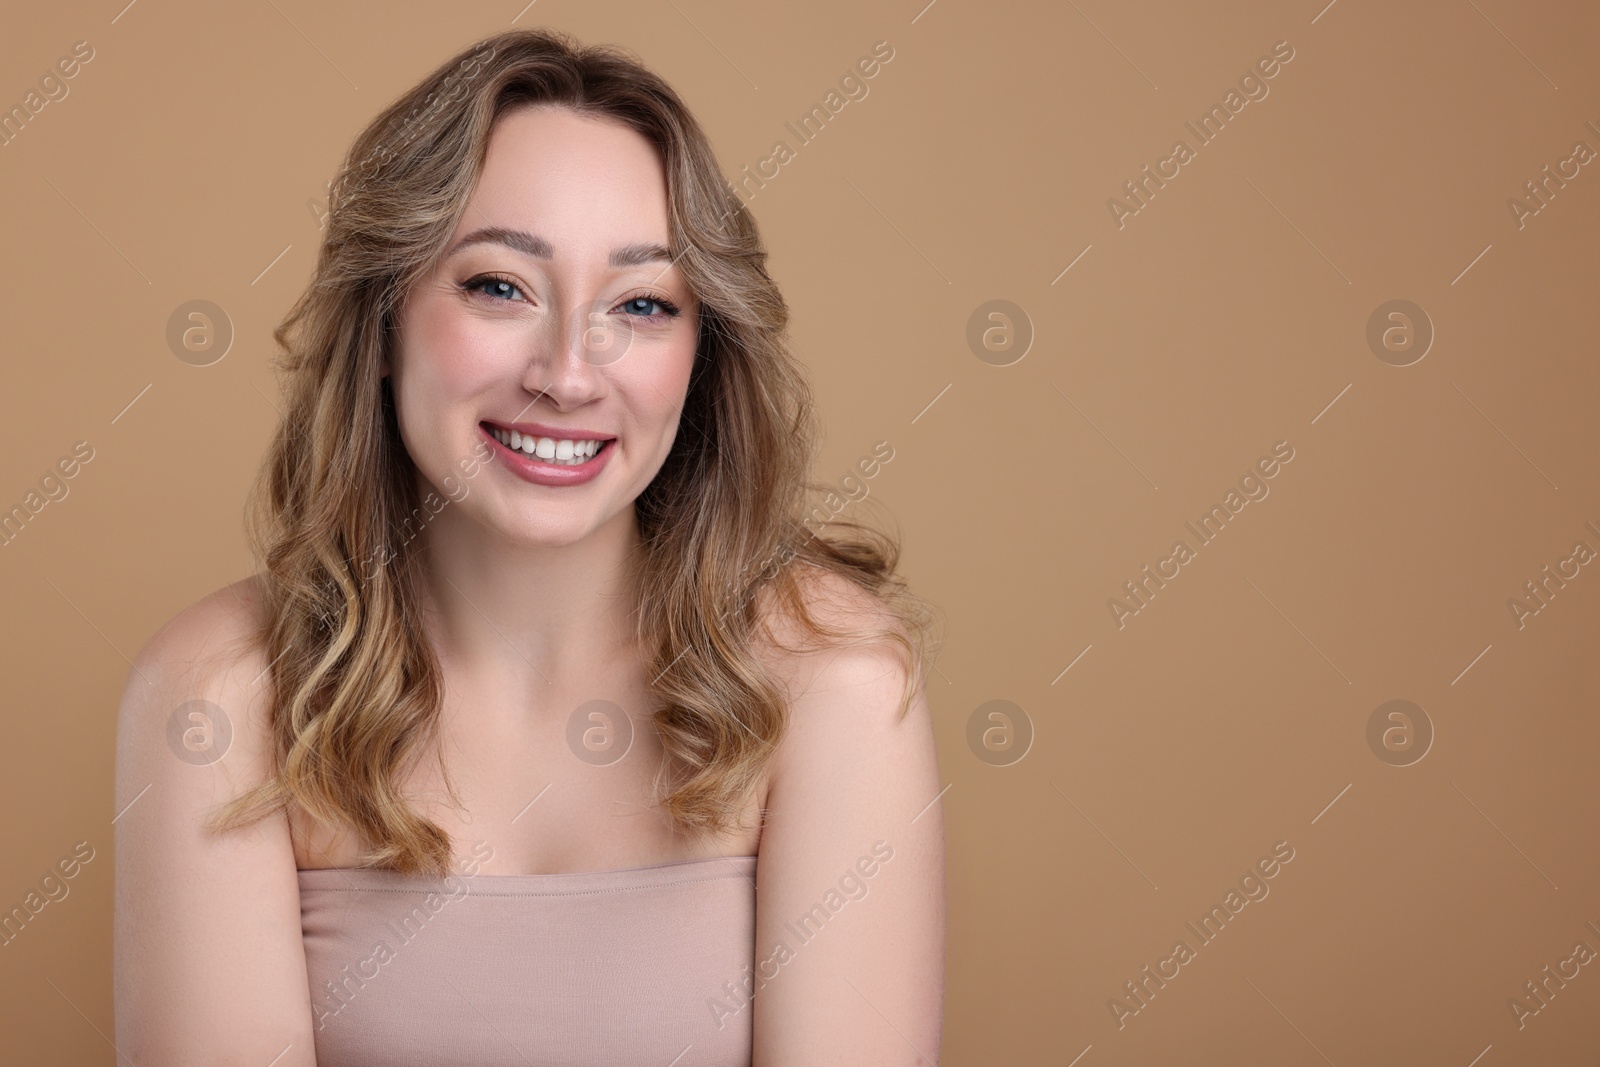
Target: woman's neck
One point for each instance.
(553, 614)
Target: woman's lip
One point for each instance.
(555, 433)
(535, 470)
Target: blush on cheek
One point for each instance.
(664, 365)
(454, 349)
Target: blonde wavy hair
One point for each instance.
(355, 687)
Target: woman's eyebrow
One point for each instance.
(529, 244)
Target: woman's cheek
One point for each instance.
(672, 363)
(461, 350)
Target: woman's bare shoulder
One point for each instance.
(851, 786)
(859, 618)
(203, 660)
(191, 903)
(217, 634)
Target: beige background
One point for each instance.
(1231, 313)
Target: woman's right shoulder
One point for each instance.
(190, 903)
(201, 676)
(220, 629)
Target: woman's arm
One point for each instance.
(850, 884)
(209, 966)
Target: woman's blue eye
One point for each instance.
(496, 287)
(668, 311)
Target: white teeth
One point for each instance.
(565, 452)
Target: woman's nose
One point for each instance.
(571, 350)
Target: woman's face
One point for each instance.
(555, 312)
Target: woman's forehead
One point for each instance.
(556, 160)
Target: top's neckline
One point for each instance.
(368, 878)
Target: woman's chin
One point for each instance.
(545, 532)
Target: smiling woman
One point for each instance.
(667, 748)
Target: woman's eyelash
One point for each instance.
(472, 285)
(668, 308)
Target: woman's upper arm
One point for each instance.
(849, 963)
(209, 966)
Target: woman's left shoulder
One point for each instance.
(865, 650)
(853, 785)
(847, 692)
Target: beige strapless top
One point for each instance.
(603, 967)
